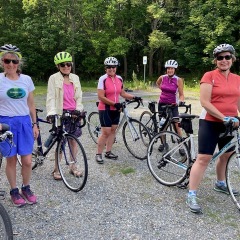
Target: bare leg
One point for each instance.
(26, 170)
(11, 171)
(221, 166)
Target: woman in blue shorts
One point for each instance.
(17, 109)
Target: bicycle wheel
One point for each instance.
(147, 121)
(94, 126)
(72, 162)
(233, 177)
(6, 231)
(169, 164)
(136, 138)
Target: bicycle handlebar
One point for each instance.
(229, 129)
(126, 102)
(4, 127)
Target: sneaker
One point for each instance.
(16, 198)
(28, 195)
(99, 158)
(193, 205)
(181, 152)
(224, 189)
(162, 147)
(110, 155)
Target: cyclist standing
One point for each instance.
(110, 88)
(171, 91)
(220, 99)
(17, 109)
(64, 93)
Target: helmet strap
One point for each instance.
(64, 75)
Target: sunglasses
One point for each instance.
(68, 64)
(108, 67)
(8, 61)
(227, 57)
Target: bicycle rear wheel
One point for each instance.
(72, 162)
(6, 231)
(136, 138)
(94, 127)
(169, 164)
(233, 177)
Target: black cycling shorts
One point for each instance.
(208, 137)
(174, 110)
(109, 117)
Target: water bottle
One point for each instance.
(161, 122)
(49, 140)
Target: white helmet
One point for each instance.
(171, 64)
(111, 61)
(223, 48)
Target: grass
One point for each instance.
(91, 86)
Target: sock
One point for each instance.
(192, 192)
(221, 183)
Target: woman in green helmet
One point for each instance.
(64, 93)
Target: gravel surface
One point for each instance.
(116, 205)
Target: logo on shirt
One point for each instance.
(16, 93)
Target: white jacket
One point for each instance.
(54, 102)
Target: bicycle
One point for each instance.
(69, 152)
(135, 135)
(6, 138)
(171, 169)
(166, 121)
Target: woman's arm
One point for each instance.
(159, 81)
(180, 90)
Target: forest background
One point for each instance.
(92, 30)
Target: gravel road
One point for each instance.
(115, 205)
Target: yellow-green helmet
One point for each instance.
(62, 57)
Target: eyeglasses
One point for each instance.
(68, 64)
(227, 57)
(8, 61)
(108, 67)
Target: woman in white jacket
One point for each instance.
(64, 93)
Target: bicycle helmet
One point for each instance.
(223, 48)
(111, 61)
(62, 57)
(9, 48)
(171, 64)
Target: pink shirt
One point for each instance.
(69, 102)
(112, 90)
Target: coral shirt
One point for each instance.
(225, 93)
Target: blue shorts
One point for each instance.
(109, 117)
(21, 127)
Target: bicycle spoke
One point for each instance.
(72, 163)
(168, 158)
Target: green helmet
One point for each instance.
(62, 57)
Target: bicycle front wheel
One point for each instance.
(168, 158)
(233, 178)
(147, 121)
(94, 127)
(6, 231)
(136, 138)
(72, 162)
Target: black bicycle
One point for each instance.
(6, 142)
(69, 153)
(166, 120)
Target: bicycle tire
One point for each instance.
(1, 158)
(94, 126)
(6, 231)
(233, 177)
(137, 146)
(64, 153)
(169, 165)
(147, 121)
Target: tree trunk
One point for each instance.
(125, 67)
